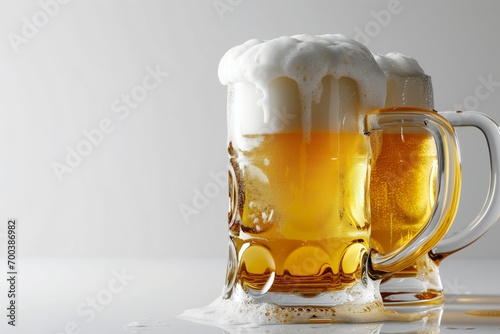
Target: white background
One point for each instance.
(124, 198)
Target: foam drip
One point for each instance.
(307, 60)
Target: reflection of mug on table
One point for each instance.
(403, 192)
(429, 324)
(300, 158)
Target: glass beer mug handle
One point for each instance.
(490, 213)
(448, 185)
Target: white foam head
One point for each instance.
(407, 83)
(270, 78)
(397, 63)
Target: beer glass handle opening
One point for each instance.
(490, 212)
(448, 185)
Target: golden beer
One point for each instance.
(402, 188)
(303, 220)
(402, 197)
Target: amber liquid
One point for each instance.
(300, 225)
(402, 190)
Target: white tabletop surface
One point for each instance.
(89, 295)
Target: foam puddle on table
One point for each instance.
(242, 309)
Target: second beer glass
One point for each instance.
(403, 193)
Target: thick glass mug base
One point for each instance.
(419, 284)
(271, 304)
(363, 293)
(356, 304)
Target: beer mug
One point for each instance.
(403, 193)
(302, 112)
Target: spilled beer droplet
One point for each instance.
(484, 313)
